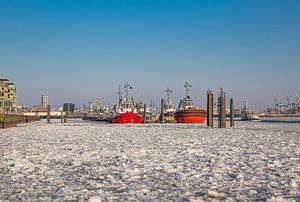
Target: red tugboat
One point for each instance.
(187, 112)
(124, 111)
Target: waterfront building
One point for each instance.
(8, 95)
(68, 107)
(43, 106)
(38, 108)
(45, 100)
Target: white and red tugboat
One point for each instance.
(124, 112)
(187, 112)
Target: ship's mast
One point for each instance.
(120, 93)
(246, 107)
(169, 92)
(187, 87)
(100, 104)
(169, 104)
(126, 89)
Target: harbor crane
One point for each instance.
(297, 102)
(291, 104)
(278, 105)
(297, 99)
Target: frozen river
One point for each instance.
(93, 162)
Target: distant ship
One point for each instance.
(168, 105)
(169, 109)
(124, 112)
(249, 117)
(187, 112)
(247, 114)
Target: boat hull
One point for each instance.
(250, 118)
(127, 118)
(190, 116)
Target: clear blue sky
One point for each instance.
(78, 50)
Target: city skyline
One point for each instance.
(80, 50)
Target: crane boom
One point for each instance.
(288, 99)
(275, 99)
(297, 99)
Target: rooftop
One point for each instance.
(3, 79)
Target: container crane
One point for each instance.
(297, 102)
(278, 105)
(288, 99)
(297, 99)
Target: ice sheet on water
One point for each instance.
(83, 160)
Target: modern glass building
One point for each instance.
(68, 107)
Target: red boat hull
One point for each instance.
(190, 116)
(127, 118)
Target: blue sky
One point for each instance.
(76, 50)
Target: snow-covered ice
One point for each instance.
(100, 162)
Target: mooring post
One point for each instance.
(48, 113)
(209, 108)
(3, 124)
(137, 108)
(222, 111)
(66, 117)
(145, 111)
(61, 117)
(162, 111)
(231, 113)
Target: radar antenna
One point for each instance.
(187, 87)
(126, 89)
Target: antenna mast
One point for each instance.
(126, 89)
(187, 87)
(120, 93)
(169, 92)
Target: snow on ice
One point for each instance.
(100, 162)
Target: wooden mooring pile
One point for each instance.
(221, 109)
